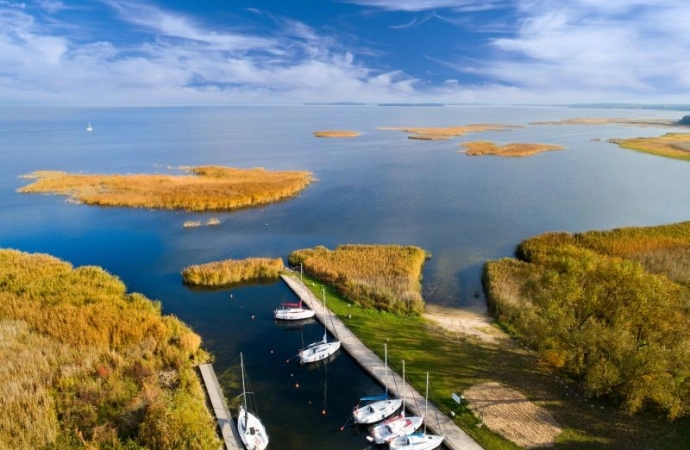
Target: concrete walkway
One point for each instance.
(228, 429)
(455, 438)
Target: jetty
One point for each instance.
(228, 429)
(455, 438)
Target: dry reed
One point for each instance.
(232, 271)
(477, 148)
(335, 134)
(670, 145)
(82, 363)
(386, 277)
(210, 188)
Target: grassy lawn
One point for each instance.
(455, 364)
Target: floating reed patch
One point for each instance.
(336, 134)
(477, 148)
(386, 277)
(191, 224)
(428, 137)
(87, 365)
(210, 188)
(448, 132)
(611, 121)
(670, 145)
(231, 271)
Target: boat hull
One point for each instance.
(251, 430)
(376, 411)
(293, 314)
(318, 352)
(416, 442)
(391, 429)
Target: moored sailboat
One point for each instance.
(294, 311)
(377, 408)
(251, 430)
(320, 350)
(396, 426)
(418, 441)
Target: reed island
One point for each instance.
(206, 188)
(478, 148)
(384, 277)
(670, 145)
(336, 134)
(445, 133)
(231, 271)
(86, 364)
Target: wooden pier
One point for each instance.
(455, 438)
(228, 429)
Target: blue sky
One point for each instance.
(169, 52)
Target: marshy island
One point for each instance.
(207, 188)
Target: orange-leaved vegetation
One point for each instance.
(385, 277)
(88, 365)
(208, 188)
(477, 148)
(608, 308)
(336, 134)
(231, 271)
(670, 145)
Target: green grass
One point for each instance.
(455, 364)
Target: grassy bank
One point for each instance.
(231, 271)
(88, 365)
(385, 277)
(478, 148)
(210, 188)
(455, 364)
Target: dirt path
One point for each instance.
(466, 323)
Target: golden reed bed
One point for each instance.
(208, 188)
(335, 134)
(670, 145)
(477, 148)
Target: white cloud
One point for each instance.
(428, 5)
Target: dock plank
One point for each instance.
(228, 429)
(455, 437)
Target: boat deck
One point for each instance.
(455, 438)
(228, 429)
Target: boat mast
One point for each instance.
(302, 282)
(404, 386)
(244, 391)
(385, 359)
(323, 290)
(426, 403)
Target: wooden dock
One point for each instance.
(228, 429)
(455, 438)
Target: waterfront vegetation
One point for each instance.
(609, 309)
(229, 271)
(208, 188)
(477, 148)
(385, 277)
(456, 364)
(87, 365)
(442, 133)
(335, 134)
(670, 145)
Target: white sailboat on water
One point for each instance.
(251, 430)
(418, 441)
(294, 311)
(376, 408)
(320, 350)
(89, 127)
(397, 426)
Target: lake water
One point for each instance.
(378, 188)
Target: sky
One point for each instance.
(222, 52)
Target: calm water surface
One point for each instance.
(378, 188)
